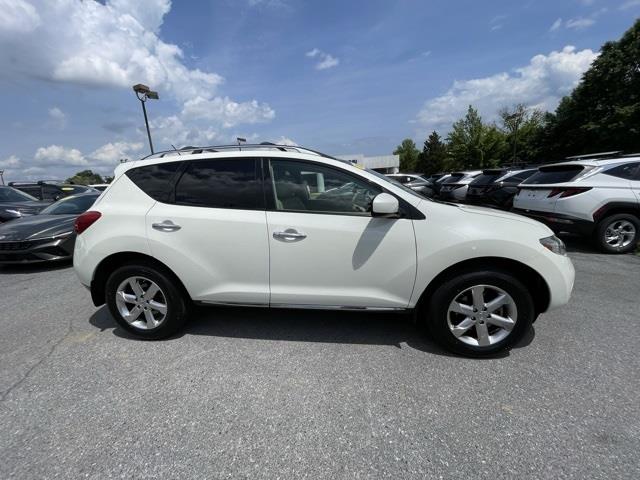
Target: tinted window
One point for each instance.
(562, 174)
(487, 178)
(627, 171)
(520, 177)
(224, 183)
(34, 191)
(154, 180)
(332, 191)
(73, 205)
(455, 177)
(8, 194)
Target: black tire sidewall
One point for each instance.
(436, 318)
(602, 227)
(176, 305)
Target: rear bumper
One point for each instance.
(559, 222)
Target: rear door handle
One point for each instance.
(290, 235)
(166, 226)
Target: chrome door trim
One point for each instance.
(303, 306)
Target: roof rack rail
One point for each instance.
(250, 146)
(631, 155)
(596, 156)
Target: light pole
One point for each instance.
(143, 93)
(2, 176)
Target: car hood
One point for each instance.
(36, 226)
(500, 214)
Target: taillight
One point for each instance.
(567, 192)
(85, 220)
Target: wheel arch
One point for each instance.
(109, 264)
(615, 208)
(527, 275)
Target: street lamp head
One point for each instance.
(140, 88)
(153, 95)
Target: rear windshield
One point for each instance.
(455, 177)
(487, 177)
(560, 174)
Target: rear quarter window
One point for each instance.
(548, 175)
(155, 180)
(628, 171)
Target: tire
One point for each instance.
(121, 296)
(627, 228)
(440, 320)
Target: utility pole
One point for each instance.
(143, 93)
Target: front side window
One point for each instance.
(223, 183)
(307, 187)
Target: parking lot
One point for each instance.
(290, 394)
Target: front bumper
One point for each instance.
(559, 222)
(36, 251)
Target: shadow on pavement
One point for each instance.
(302, 326)
(34, 267)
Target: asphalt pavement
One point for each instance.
(252, 393)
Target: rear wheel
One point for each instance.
(479, 313)
(618, 233)
(145, 301)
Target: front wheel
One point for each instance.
(618, 233)
(479, 313)
(145, 301)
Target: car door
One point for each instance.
(326, 247)
(212, 233)
(635, 182)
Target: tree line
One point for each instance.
(601, 114)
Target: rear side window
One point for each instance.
(224, 183)
(562, 174)
(155, 180)
(628, 171)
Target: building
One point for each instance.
(379, 163)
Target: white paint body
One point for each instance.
(232, 256)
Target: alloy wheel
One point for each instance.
(482, 315)
(620, 233)
(141, 303)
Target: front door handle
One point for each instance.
(289, 235)
(166, 226)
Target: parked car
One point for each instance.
(437, 185)
(46, 236)
(415, 182)
(497, 187)
(15, 204)
(49, 190)
(99, 186)
(172, 230)
(455, 187)
(594, 198)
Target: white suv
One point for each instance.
(284, 226)
(598, 198)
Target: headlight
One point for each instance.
(15, 213)
(554, 244)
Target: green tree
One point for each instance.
(408, 155)
(603, 111)
(433, 157)
(522, 127)
(473, 144)
(85, 177)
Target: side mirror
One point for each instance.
(385, 205)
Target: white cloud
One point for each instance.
(228, 112)
(630, 4)
(540, 84)
(285, 141)
(110, 44)
(325, 60)
(111, 153)
(56, 155)
(18, 16)
(10, 162)
(556, 25)
(57, 117)
(579, 23)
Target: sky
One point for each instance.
(343, 77)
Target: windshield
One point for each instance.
(8, 194)
(394, 183)
(74, 205)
